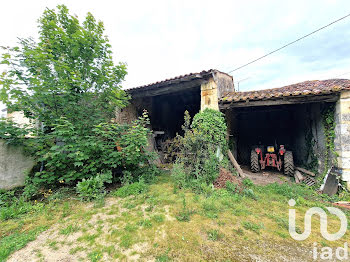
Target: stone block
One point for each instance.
(14, 166)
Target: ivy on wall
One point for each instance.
(328, 120)
(312, 160)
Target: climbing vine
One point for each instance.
(329, 131)
(311, 156)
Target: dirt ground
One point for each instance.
(266, 177)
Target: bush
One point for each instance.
(200, 150)
(132, 189)
(91, 188)
(68, 156)
(211, 126)
(12, 133)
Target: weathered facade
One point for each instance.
(342, 134)
(291, 115)
(166, 101)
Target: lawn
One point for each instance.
(164, 223)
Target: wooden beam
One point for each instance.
(282, 101)
(235, 164)
(303, 170)
(166, 89)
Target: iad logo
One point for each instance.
(323, 221)
(341, 253)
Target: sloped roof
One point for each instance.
(315, 87)
(175, 80)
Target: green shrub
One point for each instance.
(31, 190)
(13, 134)
(132, 189)
(91, 188)
(200, 150)
(69, 156)
(211, 125)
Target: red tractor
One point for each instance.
(259, 159)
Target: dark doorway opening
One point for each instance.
(168, 110)
(298, 127)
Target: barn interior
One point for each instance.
(167, 113)
(298, 127)
(166, 108)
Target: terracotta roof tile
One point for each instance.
(315, 87)
(174, 80)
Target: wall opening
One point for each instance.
(299, 127)
(168, 110)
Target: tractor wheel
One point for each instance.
(254, 161)
(288, 163)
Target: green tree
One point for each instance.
(69, 72)
(68, 81)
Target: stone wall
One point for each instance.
(342, 139)
(14, 166)
(215, 88)
(209, 95)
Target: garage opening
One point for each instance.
(298, 127)
(168, 110)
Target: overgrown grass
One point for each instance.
(164, 225)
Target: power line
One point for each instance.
(342, 74)
(274, 51)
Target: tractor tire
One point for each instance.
(288, 163)
(254, 161)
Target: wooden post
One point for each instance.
(235, 164)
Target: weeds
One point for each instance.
(91, 188)
(158, 218)
(252, 226)
(135, 189)
(210, 208)
(95, 256)
(145, 223)
(214, 235)
(126, 241)
(185, 214)
(69, 230)
(17, 208)
(163, 257)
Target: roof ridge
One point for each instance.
(164, 82)
(309, 87)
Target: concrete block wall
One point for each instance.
(14, 166)
(342, 139)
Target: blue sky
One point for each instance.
(163, 39)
